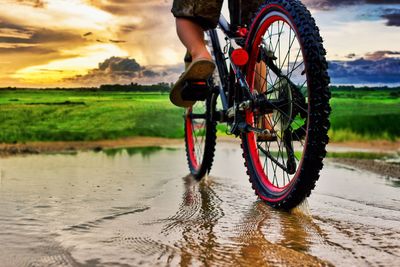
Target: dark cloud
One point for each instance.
(365, 71)
(380, 11)
(150, 73)
(87, 34)
(118, 64)
(126, 7)
(13, 30)
(15, 49)
(383, 2)
(117, 70)
(128, 28)
(44, 36)
(117, 41)
(392, 19)
(33, 3)
(8, 25)
(377, 55)
(351, 55)
(330, 4)
(29, 35)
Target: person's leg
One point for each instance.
(193, 17)
(191, 35)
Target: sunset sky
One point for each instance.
(70, 43)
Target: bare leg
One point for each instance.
(192, 37)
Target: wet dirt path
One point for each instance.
(139, 208)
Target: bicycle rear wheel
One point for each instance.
(287, 63)
(200, 136)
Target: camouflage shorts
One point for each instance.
(207, 12)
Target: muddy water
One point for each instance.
(139, 208)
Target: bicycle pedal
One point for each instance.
(266, 138)
(195, 90)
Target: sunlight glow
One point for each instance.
(44, 42)
(73, 14)
(66, 68)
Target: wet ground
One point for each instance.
(138, 207)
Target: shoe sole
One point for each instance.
(198, 70)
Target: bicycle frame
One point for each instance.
(234, 91)
(224, 88)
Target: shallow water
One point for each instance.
(138, 207)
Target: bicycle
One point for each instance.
(274, 96)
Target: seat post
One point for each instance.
(235, 9)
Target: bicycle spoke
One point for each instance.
(291, 72)
(288, 53)
(279, 35)
(295, 62)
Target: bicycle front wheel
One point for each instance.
(287, 65)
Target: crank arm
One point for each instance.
(291, 162)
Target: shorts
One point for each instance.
(207, 12)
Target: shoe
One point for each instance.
(200, 69)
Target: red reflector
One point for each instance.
(200, 83)
(241, 32)
(239, 57)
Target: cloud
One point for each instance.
(377, 55)
(329, 4)
(125, 7)
(117, 64)
(332, 4)
(384, 70)
(117, 41)
(145, 29)
(363, 10)
(18, 49)
(10, 30)
(32, 45)
(351, 55)
(43, 36)
(392, 19)
(14, 36)
(118, 70)
(33, 3)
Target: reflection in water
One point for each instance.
(133, 209)
(203, 224)
(146, 152)
(395, 182)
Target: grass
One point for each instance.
(361, 155)
(67, 115)
(364, 116)
(29, 115)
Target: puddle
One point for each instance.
(138, 206)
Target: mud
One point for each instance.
(140, 208)
(75, 146)
(380, 167)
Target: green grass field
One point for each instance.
(365, 115)
(66, 115)
(28, 115)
